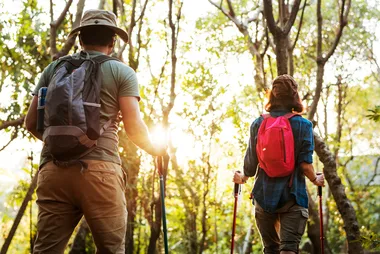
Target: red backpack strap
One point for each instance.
(290, 115)
(265, 116)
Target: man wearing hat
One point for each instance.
(65, 194)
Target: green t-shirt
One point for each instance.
(118, 80)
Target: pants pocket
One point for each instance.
(303, 221)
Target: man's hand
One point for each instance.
(319, 180)
(159, 150)
(239, 178)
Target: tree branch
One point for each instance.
(232, 18)
(319, 30)
(140, 20)
(69, 42)
(255, 15)
(54, 25)
(158, 83)
(374, 174)
(174, 40)
(13, 123)
(299, 26)
(13, 137)
(101, 4)
(143, 11)
(342, 23)
(292, 17)
(230, 7)
(51, 12)
(268, 13)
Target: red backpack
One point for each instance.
(275, 145)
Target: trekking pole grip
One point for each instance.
(319, 187)
(236, 189)
(159, 165)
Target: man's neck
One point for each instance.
(102, 49)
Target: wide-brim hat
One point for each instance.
(100, 18)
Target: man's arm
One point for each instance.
(31, 118)
(135, 127)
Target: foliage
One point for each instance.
(375, 114)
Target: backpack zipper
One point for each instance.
(70, 102)
(283, 143)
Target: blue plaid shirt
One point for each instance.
(273, 193)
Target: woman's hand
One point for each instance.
(319, 180)
(239, 178)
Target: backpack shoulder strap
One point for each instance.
(104, 58)
(265, 116)
(290, 115)
(64, 58)
(73, 61)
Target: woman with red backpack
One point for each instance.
(280, 155)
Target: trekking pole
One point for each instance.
(236, 195)
(321, 218)
(163, 211)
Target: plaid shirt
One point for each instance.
(273, 193)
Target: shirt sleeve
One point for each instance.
(127, 80)
(45, 77)
(250, 160)
(307, 145)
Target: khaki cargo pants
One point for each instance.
(282, 230)
(64, 195)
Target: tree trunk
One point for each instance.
(260, 81)
(155, 227)
(318, 90)
(281, 42)
(313, 226)
(131, 161)
(202, 241)
(291, 62)
(79, 244)
(344, 205)
(191, 229)
(19, 215)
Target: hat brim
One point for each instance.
(120, 32)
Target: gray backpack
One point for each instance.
(72, 107)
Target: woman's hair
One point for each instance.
(284, 95)
(97, 35)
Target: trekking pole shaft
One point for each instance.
(163, 211)
(321, 218)
(162, 195)
(159, 165)
(321, 221)
(236, 193)
(320, 191)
